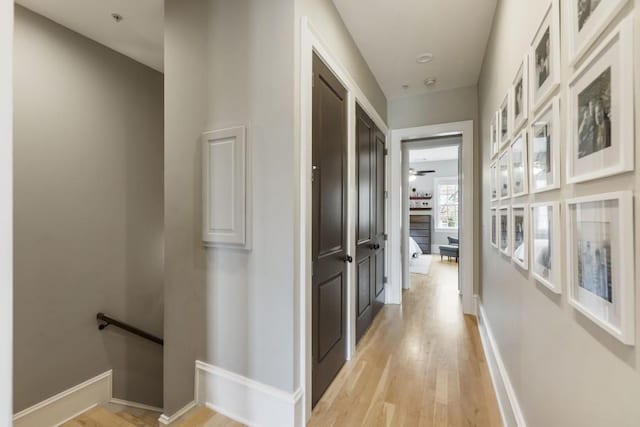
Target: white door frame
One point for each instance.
(311, 41)
(398, 234)
(6, 211)
(406, 147)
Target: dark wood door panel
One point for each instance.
(329, 240)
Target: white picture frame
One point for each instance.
(544, 58)
(544, 148)
(584, 29)
(600, 261)
(504, 120)
(519, 167)
(493, 180)
(504, 175)
(493, 135)
(519, 235)
(545, 245)
(601, 110)
(520, 96)
(504, 230)
(493, 227)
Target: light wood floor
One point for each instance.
(111, 415)
(421, 364)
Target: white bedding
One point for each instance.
(414, 249)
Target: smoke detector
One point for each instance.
(430, 81)
(117, 17)
(424, 58)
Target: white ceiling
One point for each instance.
(391, 34)
(434, 154)
(139, 35)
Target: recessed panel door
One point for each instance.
(329, 228)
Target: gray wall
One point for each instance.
(233, 309)
(6, 210)
(566, 371)
(444, 169)
(326, 20)
(88, 214)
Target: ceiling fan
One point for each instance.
(413, 172)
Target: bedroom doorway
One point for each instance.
(431, 183)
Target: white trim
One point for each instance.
(311, 41)
(436, 205)
(399, 210)
(6, 211)
(166, 420)
(498, 372)
(68, 404)
(245, 400)
(130, 404)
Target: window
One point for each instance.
(447, 203)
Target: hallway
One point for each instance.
(420, 364)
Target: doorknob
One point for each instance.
(348, 258)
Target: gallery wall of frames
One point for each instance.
(595, 106)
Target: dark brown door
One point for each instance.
(329, 235)
(380, 234)
(370, 280)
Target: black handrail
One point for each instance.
(111, 321)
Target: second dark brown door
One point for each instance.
(370, 238)
(329, 235)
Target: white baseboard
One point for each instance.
(166, 420)
(68, 404)
(510, 410)
(137, 405)
(245, 400)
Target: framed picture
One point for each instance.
(494, 227)
(493, 135)
(493, 171)
(519, 167)
(520, 235)
(601, 111)
(600, 261)
(544, 148)
(587, 19)
(503, 230)
(520, 96)
(544, 61)
(504, 175)
(545, 245)
(504, 119)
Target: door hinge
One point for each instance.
(386, 194)
(312, 268)
(386, 237)
(385, 280)
(386, 152)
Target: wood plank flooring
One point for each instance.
(110, 415)
(421, 364)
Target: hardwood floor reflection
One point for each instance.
(421, 364)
